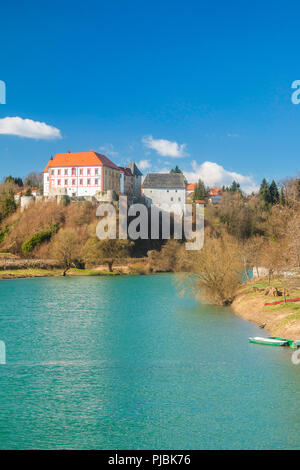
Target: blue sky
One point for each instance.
(203, 85)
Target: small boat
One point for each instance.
(269, 341)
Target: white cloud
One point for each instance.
(109, 150)
(28, 128)
(162, 170)
(164, 147)
(213, 174)
(233, 135)
(144, 164)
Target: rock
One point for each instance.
(272, 291)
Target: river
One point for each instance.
(125, 363)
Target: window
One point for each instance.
(167, 190)
(47, 178)
(89, 172)
(96, 171)
(66, 172)
(172, 199)
(96, 182)
(175, 190)
(88, 182)
(58, 182)
(179, 199)
(58, 172)
(81, 171)
(66, 182)
(52, 172)
(73, 182)
(81, 182)
(73, 172)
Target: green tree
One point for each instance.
(12, 179)
(199, 191)
(264, 192)
(176, 170)
(7, 203)
(235, 187)
(274, 193)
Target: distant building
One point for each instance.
(164, 190)
(137, 180)
(130, 181)
(80, 174)
(190, 188)
(214, 195)
(34, 192)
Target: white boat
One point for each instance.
(269, 341)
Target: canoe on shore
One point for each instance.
(270, 341)
(275, 341)
(282, 301)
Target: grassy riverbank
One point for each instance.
(281, 320)
(35, 272)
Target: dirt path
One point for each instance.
(281, 320)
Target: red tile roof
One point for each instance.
(215, 192)
(191, 186)
(72, 159)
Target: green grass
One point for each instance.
(283, 306)
(249, 290)
(37, 272)
(90, 272)
(290, 319)
(29, 272)
(8, 256)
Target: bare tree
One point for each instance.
(66, 249)
(108, 251)
(216, 270)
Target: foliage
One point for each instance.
(7, 201)
(96, 251)
(176, 170)
(235, 187)
(216, 270)
(14, 180)
(66, 249)
(199, 191)
(37, 239)
(269, 193)
(168, 259)
(139, 268)
(34, 180)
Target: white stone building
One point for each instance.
(165, 191)
(80, 174)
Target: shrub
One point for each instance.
(139, 268)
(37, 239)
(216, 270)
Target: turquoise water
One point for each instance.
(124, 363)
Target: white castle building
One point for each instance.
(85, 174)
(166, 191)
